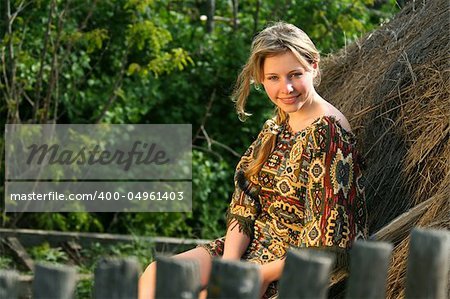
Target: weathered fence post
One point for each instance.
(306, 274)
(116, 279)
(428, 264)
(234, 279)
(54, 281)
(369, 263)
(9, 284)
(176, 278)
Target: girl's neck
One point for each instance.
(307, 113)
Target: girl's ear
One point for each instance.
(315, 68)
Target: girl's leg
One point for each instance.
(147, 282)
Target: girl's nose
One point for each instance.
(288, 87)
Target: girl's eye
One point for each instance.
(296, 75)
(272, 78)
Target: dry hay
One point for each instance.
(394, 86)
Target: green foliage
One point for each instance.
(6, 262)
(211, 196)
(70, 59)
(90, 257)
(142, 251)
(84, 288)
(212, 186)
(45, 253)
(73, 221)
(133, 61)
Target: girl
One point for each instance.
(299, 184)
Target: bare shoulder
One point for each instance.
(342, 120)
(333, 111)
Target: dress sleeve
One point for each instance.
(245, 205)
(343, 215)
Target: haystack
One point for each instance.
(394, 85)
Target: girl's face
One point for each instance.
(287, 83)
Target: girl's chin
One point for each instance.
(291, 108)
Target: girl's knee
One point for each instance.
(149, 272)
(146, 286)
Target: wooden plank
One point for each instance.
(54, 281)
(14, 244)
(9, 284)
(401, 226)
(32, 237)
(395, 230)
(234, 279)
(177, 278)
(369, 262)
(306, 274)
(116, 279)
(26, 283)
(428, 264)
(73, 249)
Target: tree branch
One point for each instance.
(226, 147)
(68, 51)
(117, 85)
(54, 72)
(256, 17)
(235, 4)
(206, 115)
(218, 156)
(12, 97)
(42, 62)
(210, 14)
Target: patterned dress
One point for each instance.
(309, 193)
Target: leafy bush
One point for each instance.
(211, 189)
(130, 61)
(212, 186)
(45, 253)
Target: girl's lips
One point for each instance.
(288, 101)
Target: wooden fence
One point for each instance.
(306, 274)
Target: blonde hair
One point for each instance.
(273, 40)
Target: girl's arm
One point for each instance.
(270, 272)
(236, 242)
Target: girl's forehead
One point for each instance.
(284, 62)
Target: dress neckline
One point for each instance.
(308, 127)
(314, 123)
